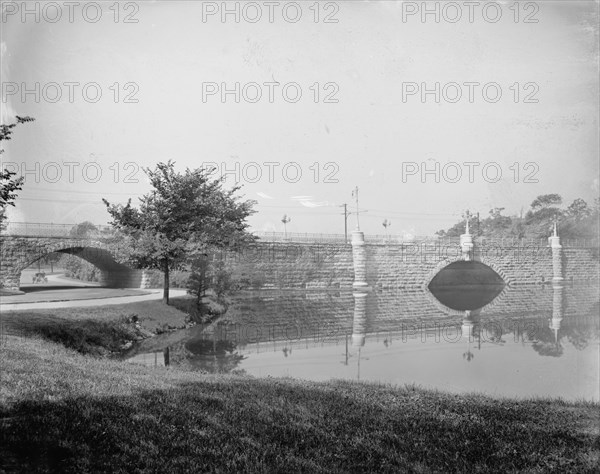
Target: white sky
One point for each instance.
(368, 134)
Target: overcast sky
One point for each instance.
(364, 124)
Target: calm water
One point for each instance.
(525, 341)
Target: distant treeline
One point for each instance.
(577, 221)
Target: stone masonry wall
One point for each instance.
(318, 266)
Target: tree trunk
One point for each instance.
(165, 298)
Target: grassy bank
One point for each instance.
(105, 330)
(63, 411)
(153, 316)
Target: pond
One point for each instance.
(539, 340)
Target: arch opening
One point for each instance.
(466, 285)
(89, 265)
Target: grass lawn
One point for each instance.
(61, 411)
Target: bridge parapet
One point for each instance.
(41, 229)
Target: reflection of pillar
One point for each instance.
(557, 309)
(359, 322)
(554, 242)
(470, 330)
(470, 326)
(359, 259)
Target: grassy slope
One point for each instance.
(152, 315)
(63, 411)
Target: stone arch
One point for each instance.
(25, 251)
(95, 253)
(444, 263)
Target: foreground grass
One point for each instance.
(61, 411)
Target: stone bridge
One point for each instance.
(374, 263)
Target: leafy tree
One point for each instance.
(579, 210)
(545, 201)
(496, 225)
(580, 221)
(184, 215)
(198, 281)
(210, 274)
(457, 229)
(83, 230)
(540, 218)
(9, 184)
(78, 268)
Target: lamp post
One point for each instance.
(285, 219)
(386, 224)
(355, 196)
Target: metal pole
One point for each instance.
(356, 196)
(345, 223)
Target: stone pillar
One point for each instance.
(359, 260)
(466, 246)
(359, 322)
(12, 282)
(10, 260)
(466, 243)
(557, 270)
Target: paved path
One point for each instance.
(144, 295)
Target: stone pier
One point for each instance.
(359, 259)
(557, 254)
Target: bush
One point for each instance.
(179, 279)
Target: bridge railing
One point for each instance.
(341, 238)
(300, 237)
(40, 229)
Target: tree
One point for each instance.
(545, 200)
(9, 184)
(198, 281)
(76, 267)
(540, 218)
(457, 229)
(496, 225)
(184, 215)
(579, 210)
(83, 230)
(580, 221)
